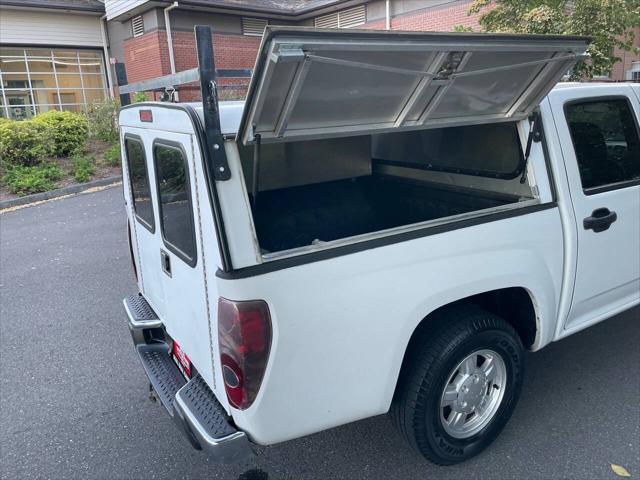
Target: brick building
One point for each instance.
(138, 31)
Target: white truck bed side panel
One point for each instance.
(344, 323)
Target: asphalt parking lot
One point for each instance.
(74, 403)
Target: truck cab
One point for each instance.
(386, 224)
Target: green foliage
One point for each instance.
(70, 130)
(140, 97)
(25, 143)
(462, 28)
(607, 22)
(112, 155)
(83, 167)
(23, 180)
(103, 120)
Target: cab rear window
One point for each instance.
(176, 216)
(606, 142)
(139, 178)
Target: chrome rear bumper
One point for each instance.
(192, 405)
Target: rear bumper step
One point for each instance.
(164, 375)
(192, 405)
(141, 317)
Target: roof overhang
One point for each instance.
(54, 7)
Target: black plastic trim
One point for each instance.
(611, 187)
(634, 114)
(141, 221)
(391, 239)
(184, 256)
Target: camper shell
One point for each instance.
(292, 250)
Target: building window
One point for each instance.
(34, 80)
(137, 26)
(635, 76)
(351, 17)
(253, 26)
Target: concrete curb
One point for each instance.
(59, 192)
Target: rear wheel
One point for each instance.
(459, 384)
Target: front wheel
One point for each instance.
(459, 385)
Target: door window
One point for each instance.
(139, 178)
(605, 139)
(176, 217)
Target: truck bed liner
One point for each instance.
(294, 217)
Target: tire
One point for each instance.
(460, 332)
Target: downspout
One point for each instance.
(387, 10)
(105, 47)
(167, 26)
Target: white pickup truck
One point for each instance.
(385, 225)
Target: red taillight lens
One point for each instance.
(244, 336)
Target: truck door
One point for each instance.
(179, 258)
(601, 147)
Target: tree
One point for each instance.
(607, 22)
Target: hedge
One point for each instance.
(25, 143)
(70, 130)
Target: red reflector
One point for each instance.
(182, 359)
(244, 337)
(146, 116)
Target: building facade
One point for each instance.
(154, 38)
(61, 54)
(52, 56)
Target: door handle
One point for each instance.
(165, 261)
(600, 220)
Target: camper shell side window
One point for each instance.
(174, 199)
(318, 192)
(139, 181)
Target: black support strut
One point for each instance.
(208, 86)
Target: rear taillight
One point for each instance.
(244, 336)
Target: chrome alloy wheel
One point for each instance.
(473, 393)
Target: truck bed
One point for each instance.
(295, 217)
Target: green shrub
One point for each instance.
(25, 142)
(70, 130)
(102, 118)
(83, 167)
(112, 155)
(140, 97)
(23, 180)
